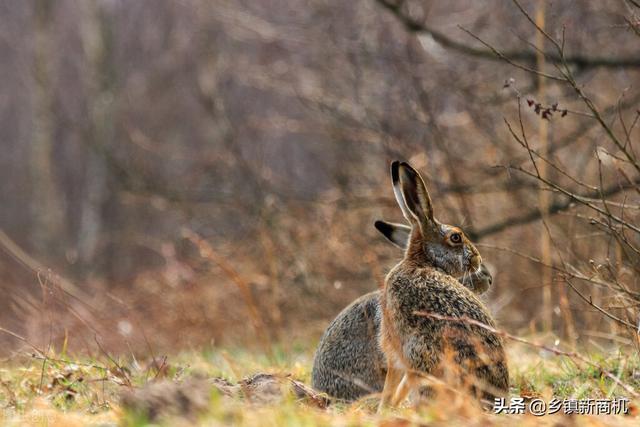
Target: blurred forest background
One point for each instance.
(185, 173)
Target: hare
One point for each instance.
(423, 284)
(348, 362)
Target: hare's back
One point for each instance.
(409, 299)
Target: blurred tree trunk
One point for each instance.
(97, 41)
(46, 202)
(543, 195)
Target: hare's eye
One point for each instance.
(455, 238)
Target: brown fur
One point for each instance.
(423, 282)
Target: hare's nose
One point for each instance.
(476, 261)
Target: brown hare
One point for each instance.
(348, 362)
(423, 284)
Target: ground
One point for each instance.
(68, 390)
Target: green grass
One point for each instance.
(67, 390)
(562, 377)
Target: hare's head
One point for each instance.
(442, 246)
(399, 234)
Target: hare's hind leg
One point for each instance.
(391, 382)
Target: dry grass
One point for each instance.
(67, 390)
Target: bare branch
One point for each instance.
(535, 214)
(578, 60)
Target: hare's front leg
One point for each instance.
(391, 382)
(406, 385)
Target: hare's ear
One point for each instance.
(414, 194)
(398, 234)
(397, 190)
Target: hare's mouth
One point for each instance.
(473, 270)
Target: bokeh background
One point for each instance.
(187, 173)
